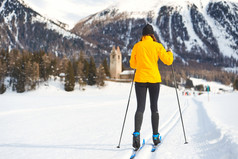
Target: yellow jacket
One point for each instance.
(144, 58)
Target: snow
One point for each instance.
(221, 112)
(2, 5)
(224, 40)
(141, 9)
(231, 69)
(51, 123)
(149, 5)
(214, 86)
(52, 26)
(70, 11)
(127, 72)
(60, 30)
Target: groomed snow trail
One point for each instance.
(206, 141)
(50, 123)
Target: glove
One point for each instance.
(169, 49)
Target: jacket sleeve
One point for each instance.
(165, 57)
(133, 58)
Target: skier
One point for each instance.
(144, 58)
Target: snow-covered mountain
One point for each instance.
(205, 31)
(23, 28)
(197, 30)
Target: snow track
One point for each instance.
(172, 121)
(210, 141)
(51, 123)
(206, 141)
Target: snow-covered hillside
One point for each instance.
(25, 29)
(51, 123)
(200, 30)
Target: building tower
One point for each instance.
(115, 63)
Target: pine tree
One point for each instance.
(2, 77)
(28, 73)
(26, 69)
(42, 68)
(189, 83)
(53, 64)
(3, 65)
(100, 76)
(20, 76)
(75, 67)
(235, 84)
(85, 71)
(69, 78)
(46, 67)
(80, 71)
(63, 65)
(2, 88)
(35, 75)
(106, 69)
(13, 57)
(92, 72)
(4, 58)
(16, 71)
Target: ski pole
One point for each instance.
(126, 110)
(175, 85)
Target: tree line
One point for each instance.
(193, 69)
(25, 70)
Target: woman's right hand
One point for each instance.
(169, 49)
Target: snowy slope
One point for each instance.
(51, 123)
(199, 30)
(154, 5)
(25, 29)
(142, 6)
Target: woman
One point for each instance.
(144, 58)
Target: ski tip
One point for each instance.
(154, 148)
(133, 156)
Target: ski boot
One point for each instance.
(156, 139)
(136, 140)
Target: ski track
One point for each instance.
(204, 141)
(165, 129)
(211, 143)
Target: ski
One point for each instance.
(136, 151)
(154, 148)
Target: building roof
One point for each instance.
(127, 72)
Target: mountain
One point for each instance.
(23, 28)
(197, 30)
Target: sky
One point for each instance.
(68, 11)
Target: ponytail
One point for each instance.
(153, 37)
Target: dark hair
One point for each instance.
(147, 30)
(151, 35)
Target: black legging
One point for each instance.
(141, 89)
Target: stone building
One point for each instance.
(115, 63)
(116, 67)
